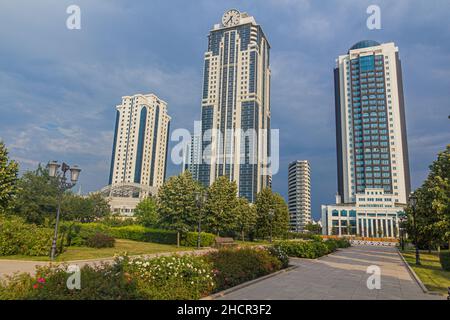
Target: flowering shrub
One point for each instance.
(173, 277)
(169, 278)
(100, 282)
(235, 266)
(280, 254)
(39, 283)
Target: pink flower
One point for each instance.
(41, 280)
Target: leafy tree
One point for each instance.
(313, 228)
(220, 206)
(281, 219)
(101, 208)
(36, 197)
(433, 205)
(146, 212)
(8, 178)
(264, 204)
(177, 205)
(439, 186)
(246, 217)
(84, 209)
(266, 201)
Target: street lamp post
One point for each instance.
(271, 215)
(200, 199)
(63, 185)
(413, 203)
(402, 231)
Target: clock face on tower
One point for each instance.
(231, 18)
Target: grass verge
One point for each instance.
(121, 246)
(430, 272)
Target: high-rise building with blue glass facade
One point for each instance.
(371, 142)
(370, 122)
(236, 105)
(192, 156)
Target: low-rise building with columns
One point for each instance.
(374, 214)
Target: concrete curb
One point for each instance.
(246, 284)
(416, 277)
(329, 254)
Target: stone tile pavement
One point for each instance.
(339, 276)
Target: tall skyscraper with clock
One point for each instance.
(236, 105)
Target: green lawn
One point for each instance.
(430, 272)
(252, 243)
(121, 246)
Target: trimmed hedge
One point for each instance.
(311, 249)
(331, 245)
(190, 239)
(80, 232)
(141, 233)
(100, 240)
(19, 237)
(444, 258)
(303, 249)
(342, 243)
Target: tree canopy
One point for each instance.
(37, 199)
(432, 210)
(37, 196)
(146, 212)
(8, 178)
(245, 213)
(176, 202)
(220, 206)
(266, 201)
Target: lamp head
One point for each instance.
(53, 167)
(412, 200)
(74, 173)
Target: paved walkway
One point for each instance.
(339, 276)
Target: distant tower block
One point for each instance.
(299, 194)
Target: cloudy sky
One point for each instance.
(59, 87)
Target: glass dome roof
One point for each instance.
(364, 44)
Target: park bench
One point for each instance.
(224, 242)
